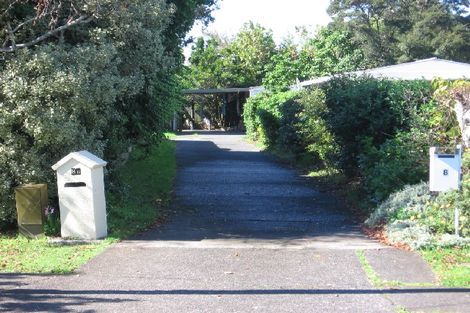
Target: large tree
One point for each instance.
(99, 75)
(284, 68)
(249, 53)
(402, 30)
(237, 62)
(331, 51)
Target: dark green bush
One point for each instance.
(399, 161)
(262, 116)
(404, 159)
(288, 138)
(312, 129)
(365, 108)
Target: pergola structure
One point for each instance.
(232, 109)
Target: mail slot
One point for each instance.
(81, 195)
(78, 184)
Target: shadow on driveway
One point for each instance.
(227, 189)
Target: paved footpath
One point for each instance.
(247, 235)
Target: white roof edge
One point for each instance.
(383, 72)
(434, 59)
(370, 72)
(216, 90)
(86, 158)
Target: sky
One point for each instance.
(280, 16)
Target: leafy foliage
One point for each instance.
(420, 219)
(105, 85)
(388, 32)
(399, 161)
(331, 51)
(312, 129)
(363, 110)
(239, 62)
(262, 116)
(284, 68)
(401, 205)
(249, 53)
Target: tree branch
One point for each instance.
(81, 20)
(22, 24)
(11, 35)
(5, 12)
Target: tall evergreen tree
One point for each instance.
(402, 30)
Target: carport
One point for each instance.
(230, 110)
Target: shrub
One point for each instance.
(397, 162)
(417, 217)
(293, 122)
(49, 109)
(404, 158)
(401, 205)
(262, 116)
(410, 233)
(360, 108)
(288, 138)
(312, 129)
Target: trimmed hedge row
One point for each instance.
(375, 130)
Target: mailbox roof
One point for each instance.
(84, 157)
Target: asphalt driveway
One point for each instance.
(247, 235)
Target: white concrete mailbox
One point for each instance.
(81, 195)
(444, 170)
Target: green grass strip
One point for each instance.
(146, 182)
(23, 255)
(451, 265)
(374, 279)
(378, 282)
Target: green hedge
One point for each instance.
(262, 116)
(367, 128)
(364, 109)
(377, 132)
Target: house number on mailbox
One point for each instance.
(76, 171)
(445, 172)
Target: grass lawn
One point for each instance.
(21, 255)
(451, 265)
(144, 190)
(141, 191)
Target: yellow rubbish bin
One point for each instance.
(31, 201)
